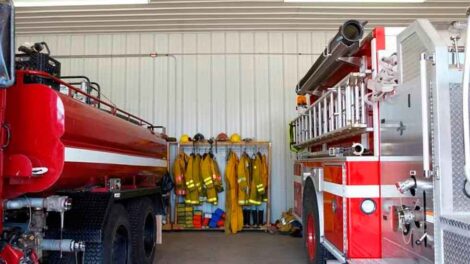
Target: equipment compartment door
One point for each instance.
(298, 189)
(333, 206)
(298, 199)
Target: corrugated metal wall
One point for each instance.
(225, 82)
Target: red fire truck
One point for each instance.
(379, 175)
(79, 176)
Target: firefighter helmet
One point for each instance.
(222, 137)
(235, 138)
(184, 138)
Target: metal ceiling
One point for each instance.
(212, 15)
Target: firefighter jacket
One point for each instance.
(179, 168)
(234, 222)
(256, 187)
(216, 177)
(192, 193)
(243, 179)
(208, 181)
(264, 177)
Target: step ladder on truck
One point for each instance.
(382, 146)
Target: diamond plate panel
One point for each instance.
(461, 202)
(461, 222)
(456, 248)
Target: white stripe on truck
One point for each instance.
(105, 157)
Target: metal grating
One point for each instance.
(460, 201)
(456, 248)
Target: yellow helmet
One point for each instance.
(235, 138)
(184, 138)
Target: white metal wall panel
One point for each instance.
(225, 82)
(243, 15)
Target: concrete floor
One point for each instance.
(219, 248)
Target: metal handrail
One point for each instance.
(114, 110)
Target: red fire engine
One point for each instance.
(378, 175)
(80, 177)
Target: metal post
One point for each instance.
(310, 124)
(320, 120)
(297, 130)
(325, 115)
(306, 126)
(348, 105)
(357, 117)
(332, 112)
(315, 123)
(363, 102)
(343, 108)
(425, 114)
(339, 109)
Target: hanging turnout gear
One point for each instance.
(256, 186)
(206, 174)
(198, 178)
(243, 179)
(264, 177)
(234, 222)
(179, 169)
(216, 177)
(192, 193)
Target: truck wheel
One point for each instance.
(316, 254)
(143, 226)
(117, 237)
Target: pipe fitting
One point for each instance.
(54, 203)
(406, 185)
(64, 245)
(352, 31)
(412, 184)
(358, 149)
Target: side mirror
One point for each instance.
(7, 44)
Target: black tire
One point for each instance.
(117, 246)
(143, 227)
(316, 253)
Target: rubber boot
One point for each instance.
(253, 217)
(261, 218)
(246, 217)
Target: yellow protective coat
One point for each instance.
(216, 177)
(234, 221)
(264, 177)
(192, 194)
(179, 168)
(256, 186)
(197, 172)
(243, 179)
(206, 174)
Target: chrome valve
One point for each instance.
(412, 185)
(406, 185)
